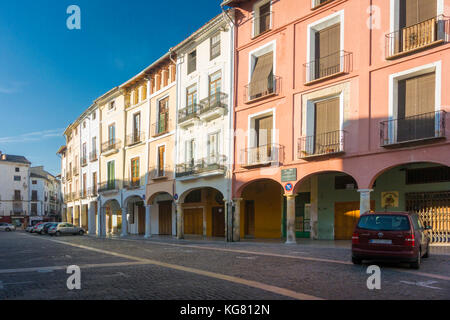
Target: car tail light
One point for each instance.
(355, 238)
(410, 241)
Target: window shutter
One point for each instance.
(261, 82)
(328, 47)
(264, 18)
(327, 125)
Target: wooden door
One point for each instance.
(346, 216)
(141, 220)
(193, 221)
(218, 220)
(249, 218)
(165, 217)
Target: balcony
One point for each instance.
(76, 196)
(84, 161)
(83, 194)
(110, 186)
(270, 154)
(325, 144)
(419, 36)
(161, 127)
(188, 115)
(412, 130)
(93, 156)
(69, 175)
(213, 106)
(75, 171)
(261, 89)
(135, 138)
(320, 3)
(328, 67)
(67, 197)
(132, 184)
(111, 146)
(213, 165)
(92, 192)
(159, 173)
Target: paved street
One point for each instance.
(34, 267)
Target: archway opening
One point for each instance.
(423, 188)
(326, 206)
(136, 215)
(162, 214)
(204, 212)
(113, 217)
(262, 210)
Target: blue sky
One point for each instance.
(49, 75)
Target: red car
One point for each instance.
(397, 236)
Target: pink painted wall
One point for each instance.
(364, 158)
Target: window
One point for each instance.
(111, 134)
(34, 208)
(190, 152)
(161, 159)
(17, 169)
(416, 108)
(17, 178)
(94, 183)
(33, 182)
(415, 11)
(428, 175)
(94, 146)
(214, 46)
(326, 126)
(135, 179)
(84, 152)
(262, 80)
(136, 127)
(112, 105)
(94, 115)
(191, 99)
(192, 62)
(34, 195)
(111, 175)
(84, 125)
(215, 83)
(163, 116)
(17, 195)
(213, 147)
(194, 196)
(327, 52)
(262, 18)
(344, 182)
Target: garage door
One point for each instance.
(346, 216)
(193, 221)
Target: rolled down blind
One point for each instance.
(415, 11)
(328, 51)
(260, 82)
(327, 126)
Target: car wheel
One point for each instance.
(7, 229)
(356, 260)
(81, 232)
(58, 233)
(416, 264)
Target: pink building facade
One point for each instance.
(340, 108)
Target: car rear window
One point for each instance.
(384, 222)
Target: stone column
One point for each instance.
(290, 219)
(364, 202)
(124, 222)
(148, 226)
(91, 223)
(101, 227)
(314, 209)
(180, 221)
(237, 220)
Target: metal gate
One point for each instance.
(434, 210)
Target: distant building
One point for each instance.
(14, 188)
(45, 194)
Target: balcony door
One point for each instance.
(163, 112)
(416, 108)
(327, 51)
(326, 127)
(215, 83)
(84, 184)
(213, 148)
(111, 175)
(191, 99)
(94, 183)
(111, 134)
(135, 179)
(161, 157)
(190, 153)
(136, 127)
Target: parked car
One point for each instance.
(29, 228)
(35, 227)
(7, 227)
(393, 236)
(66, 228)
(41, 229)
(48, 226)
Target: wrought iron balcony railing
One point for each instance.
(417, 36)
(69, 175)
(93, 156)
(201, 166)
(262, 155)
(416, 128)
(322, 144)
(84, 161)
(111, 145)
(262, 88)
(83, 194)
(76, 171)
(135, 138)
(132, 183)
(188, 113)
(332, 65)
(108, 186)
(92, 192)
(217, 100)
(162, 126)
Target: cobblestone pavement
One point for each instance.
(166, 268)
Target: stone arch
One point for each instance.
(152, 198)
(311, 174)
(248, 183)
